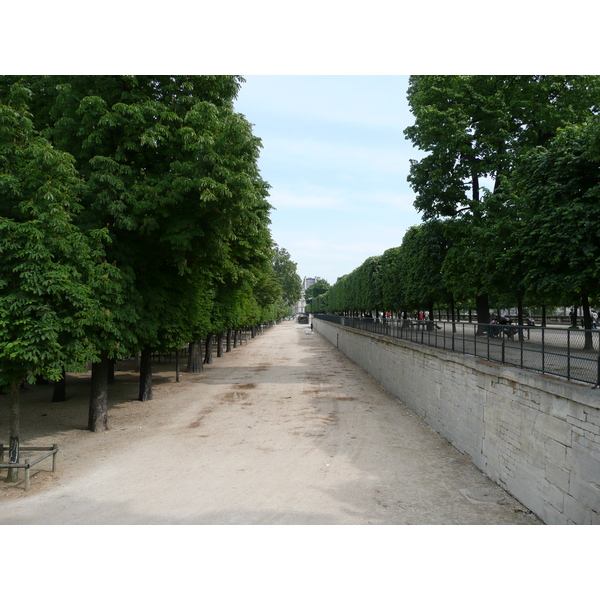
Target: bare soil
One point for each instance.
(282, 430)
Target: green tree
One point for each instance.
(424, 250)
(316, 289)
(472, 264)
(338, 296)
(392, 283)
(171, 169)
(48, 267)
(558, 195)
(286, 273)
(477, 126)
(369, 285)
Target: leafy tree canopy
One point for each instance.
(48, 267)
(476, 126)
(557, 190)
(316, 289)
(287, 275)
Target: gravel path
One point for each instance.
(282, 430)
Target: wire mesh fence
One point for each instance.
(565, 352)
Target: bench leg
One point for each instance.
(55, 446)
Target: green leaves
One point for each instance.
(44, 299)
(484, 126)
(169, 207)
(557, 193)
(285, 272)
(477, 126)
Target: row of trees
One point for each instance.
(530, 240)
(133, 217)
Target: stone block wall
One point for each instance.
(537, 436)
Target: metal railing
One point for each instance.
(27, 464)
(570, 353)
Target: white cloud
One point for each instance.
(313, 244)
(348, 201)
(318, 248)
(382, 200)
(341, 155)
(282, 198)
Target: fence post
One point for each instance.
(598, 377)
(522, 340)
(55, 448)
(568, 354)
(26, 477)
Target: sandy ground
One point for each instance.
(282, 430)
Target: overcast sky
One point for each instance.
(336, 158)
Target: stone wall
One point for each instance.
(537, 436)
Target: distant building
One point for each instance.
(300, 306)
(308, 281)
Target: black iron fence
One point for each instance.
(570, 353)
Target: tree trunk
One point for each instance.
(208, 352)
(228, 341)
(520, 316)
(60, 389)
(190, 360)
(219, 345)
(146, 375)
(98, 412)
(475, 187)
(235, 338)
(14, 434)
(482, 305)
(194, 364)
(587, 323)
(544, 316)
(431, 317)
(453, 310)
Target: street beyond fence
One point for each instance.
(550, 350)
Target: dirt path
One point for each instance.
(283, 430)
